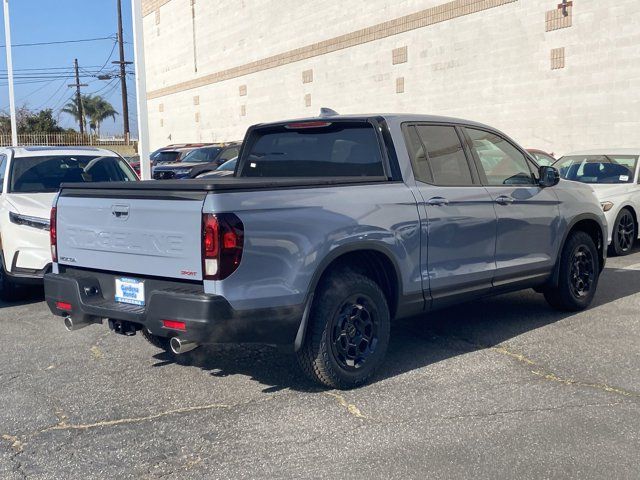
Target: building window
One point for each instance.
(307, 76)
(243, 110)
(307, 100)
(400, 85)
(400, 55)
(162, 122)
(561, 17)
(161, 107)
(557, 58)
(243, 90)
(158, 16)
(197, 117)
(196, 100)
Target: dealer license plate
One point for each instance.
(130, 290)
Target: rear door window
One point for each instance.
(440, 156)
(313, 149)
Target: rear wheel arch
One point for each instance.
(372, 261)
(592, 227)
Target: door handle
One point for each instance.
(504, 200)
(438, 201)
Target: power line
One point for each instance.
(62, 84)
(113, 49)
(59, 42)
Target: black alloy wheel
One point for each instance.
(354, 332)
(624, 233)
(582, 271)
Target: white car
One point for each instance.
(613, 175)
(30, 178)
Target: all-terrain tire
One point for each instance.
(579, 274)
(348, 309)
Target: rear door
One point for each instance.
(528, 215)
(459, 249)
(120, 232)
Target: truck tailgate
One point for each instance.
(127, 233)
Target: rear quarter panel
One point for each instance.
(289, 232)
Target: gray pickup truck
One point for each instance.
(330, 228)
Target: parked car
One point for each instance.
(169, 155)
(613, 175)
(224, 170)
(30, 178)
(331, 228)
(541, 157)
(197, 161)
(228, 152)
(134, 161)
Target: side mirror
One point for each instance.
(549, 176)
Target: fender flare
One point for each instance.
(578, 218)
(325, 263)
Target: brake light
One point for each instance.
(174, 324)
(222, 245)
(53, 234)
(307, 125)
(63, 306)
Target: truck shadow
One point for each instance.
(26, 295)
(416, 342)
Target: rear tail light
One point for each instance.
(53, 234)
(174, 324)
(222, 244)
(64, 306)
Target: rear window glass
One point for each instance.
(46, 173)
(164, 157)
(201, 155)
(338, 149)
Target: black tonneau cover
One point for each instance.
(223, 184)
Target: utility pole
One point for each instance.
(123, 76)
(77, 85)
(12, 102)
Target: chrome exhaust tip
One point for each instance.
(181, 346)
(68, 323)
(72, 325)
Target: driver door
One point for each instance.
(527, 240)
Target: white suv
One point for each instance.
(30, 177)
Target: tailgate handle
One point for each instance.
(121, 212)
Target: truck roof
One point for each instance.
(390, 117)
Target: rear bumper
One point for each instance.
(24, 276)
(208, 318)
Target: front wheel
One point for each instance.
(624, 233)
(349, 328)
(579, 273)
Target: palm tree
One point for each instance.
(95, 108)
(71, 108)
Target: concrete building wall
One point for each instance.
(552, 81)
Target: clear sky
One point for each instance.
(35, 21)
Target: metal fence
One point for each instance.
(65, 139)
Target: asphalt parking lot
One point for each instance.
(501, 388)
